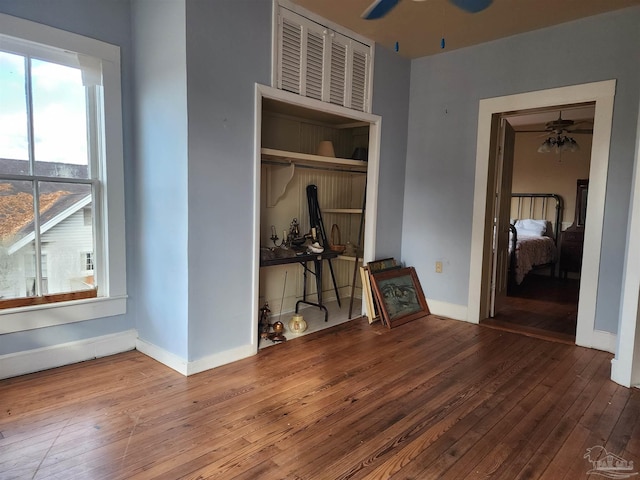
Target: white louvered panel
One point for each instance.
(338, 75)
(315, 59)
(290, 56)
(359, 81)
(320, 63)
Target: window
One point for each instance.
(86, 261)
(30, 275)
(48, 165)
(60, 145)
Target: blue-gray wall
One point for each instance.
(108, 21)
(204, 308)
(445, 94)
(392, 75)
(161, 229)
(228, 51)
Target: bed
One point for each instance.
(535, 227)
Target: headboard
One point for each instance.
(539, 206)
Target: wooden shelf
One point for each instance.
(282, 156)
(342, 210)
(349, 258)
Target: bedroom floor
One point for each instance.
(542, 307)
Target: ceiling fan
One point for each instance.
(561, 125)
(379, 8)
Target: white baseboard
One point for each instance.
(600, 340)
(222, 358)
(30, 361)
(449, 310)
(169, 359)
(186, 368)
(620, 375)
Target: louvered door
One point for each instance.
(319, 63)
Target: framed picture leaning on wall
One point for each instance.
(399, 296)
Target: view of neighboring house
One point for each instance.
(66, 234)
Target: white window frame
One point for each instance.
(112, 292)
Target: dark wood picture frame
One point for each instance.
(383, 264)
(399, 295)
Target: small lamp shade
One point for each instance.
(325, 149)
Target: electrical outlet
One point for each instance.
(438, 267)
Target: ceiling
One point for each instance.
(528, 120)
(419, 26)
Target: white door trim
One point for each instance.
(373, 170)
(602, 93)
(625, 368)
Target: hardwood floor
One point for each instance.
(434, 398)
(541, 306)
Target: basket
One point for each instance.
(334, 243)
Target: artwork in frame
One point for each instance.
(399, 296)
(381, 265)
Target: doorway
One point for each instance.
(545, 156)
(602, 94)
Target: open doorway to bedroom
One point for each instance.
(489, 112)
(546, 194)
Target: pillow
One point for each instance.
(531, 227)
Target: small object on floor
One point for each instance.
(277, 336)
(297, 324)
(263, 323)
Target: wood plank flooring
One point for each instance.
(542, 307)
(434, 398)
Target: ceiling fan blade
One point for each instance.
(378, 9)
(471, 6)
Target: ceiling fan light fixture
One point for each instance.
(558, 144)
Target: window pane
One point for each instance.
(59, 120)
(16, 223)
(66, 235)
(14, 140)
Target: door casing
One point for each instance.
(602, 94)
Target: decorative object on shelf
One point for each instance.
(315, 247)
(350, 249)
(399, 296)
(335, 243)
(297, 324)
(294, 240)
(325, 149)
(274, 237)
(360, 153)
(263, 322)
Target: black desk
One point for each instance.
(302, 259)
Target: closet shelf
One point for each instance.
(342, 210)
(285, 157)
(349, 258)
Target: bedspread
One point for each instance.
(532, 251)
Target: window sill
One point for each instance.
(52, 314)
